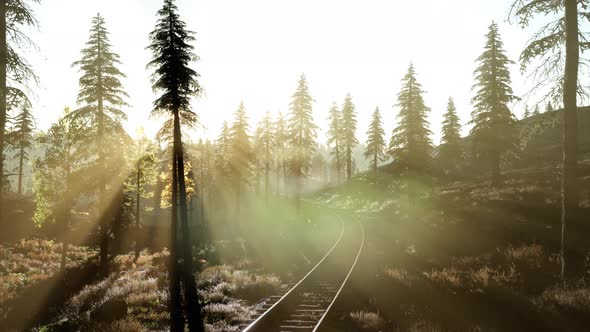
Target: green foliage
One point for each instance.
(58, 174)
(222, 152)
(493, 122)
(263, 147)
(450, 152)
(301, 129)
(375, 149)
(410, 144)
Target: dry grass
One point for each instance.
(398, 274)
(31, 261)
(572, 299)
(221, 280)
(366, 320)
(447, 276)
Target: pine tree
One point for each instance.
(410, 144)
(240, 155)
(302, 134)
(264, 146)
(177, 82)
(450, 153)
(527, 112)
(100, 98)
(15, 17)
(23, 129)
(222, 150)
(549, 107)
(375, 146)
(334, 137)
(555, 41)
(280, 139)
(348, 128)
(492, 120)
(536, 110)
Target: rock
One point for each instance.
(110, 311)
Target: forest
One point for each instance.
(466, 215)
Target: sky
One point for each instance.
(254, 51)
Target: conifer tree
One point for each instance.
(554, 44)
(177, 82)
(375, 146)
(450, 153)
(240, 155)
(15, 17)
(493, 122)
(302, 134)
(349, 140)
(222, 150)
(549, 107)
(527, 112)
(100, 99)
(410, 144)
(334, 137)
(23, 129)
(536, 110)
(279, 142)
(264, 146)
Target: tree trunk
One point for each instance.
(137, 209)
(20, 168)
(348, 163)
(3, 60)
(174, 306)
(375, 163)
(569, 190)
(193, 307)
(66, 220)
(103, 214)
(337, 162)
(495, 164)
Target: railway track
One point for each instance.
(305, 305)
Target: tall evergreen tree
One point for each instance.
(177, 82)
(549, 107)
(264, 143)
(536, 110)
(14, 69)
(280, 139)
(23, 130)
(349, 140)
(334, 137)
(240, 155)
(222, 152)
(410, 144)
(375, 147)
(302, 134)
(493, 122)
(100, 98)
(450, 151)
(527, 112)
(555, 41)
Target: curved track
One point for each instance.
(305, 305)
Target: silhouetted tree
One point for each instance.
(493, 122)
(527, 112)
(14, 69)
(549, 107)
(348, 128)
(334, 137)
(177, 82)
(100, 98)
(23, 130)
(375, 149)
(410, 145)
(240, 155)
(536, 110)
(450, 151)
(222, 152)
(561, 36)
(302, 134)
